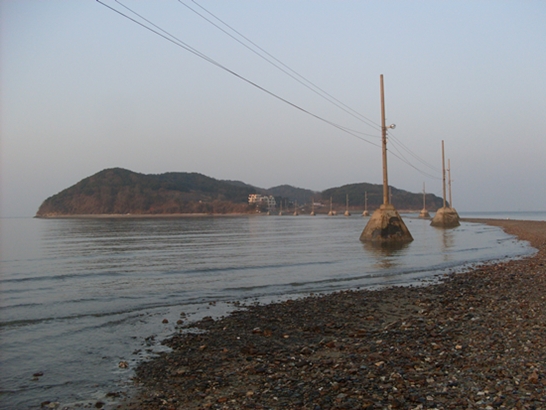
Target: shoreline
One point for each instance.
(477, 339)
(180, 215)
(138, 216)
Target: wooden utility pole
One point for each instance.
(424, 213)
(347, 213)
(331, 213)
(443, 173)
(384, 143)
(446, 217)
(365, 213)
(385, 226)
(449, 180)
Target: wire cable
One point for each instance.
(409, 151)
(402, 158)
(292, 74)
(169, 37)
(307, 83)
(173, 39)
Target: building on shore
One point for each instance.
(267, 200)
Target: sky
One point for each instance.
(83, 89)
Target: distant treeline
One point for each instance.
(120, 191)
(401, 199)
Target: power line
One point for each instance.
(173, 39)
(292, 74)
(402, 158)
(396, 140)
(306, 82)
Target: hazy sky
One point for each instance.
(84, 89)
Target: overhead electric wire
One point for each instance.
(324, 94)
(402, 158)
(306, 83)
(397, 141)
(173, 39)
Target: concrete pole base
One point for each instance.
(386, 226)
(446, 217)
(424, 213)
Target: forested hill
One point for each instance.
(402, 200)
(119, 191)
(300, 195)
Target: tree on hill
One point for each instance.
(400, 199)
(119, 191)
(291, 194)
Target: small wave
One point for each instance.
(29, 322)
(249, 267)
(61, 277)
(463, 250)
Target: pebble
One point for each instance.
(476, 340)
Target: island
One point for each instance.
(121, 192)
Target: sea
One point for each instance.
(83, 301)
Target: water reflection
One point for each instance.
(85, 286)
(387, 254)
(447, 241)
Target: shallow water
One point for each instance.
(81, 295)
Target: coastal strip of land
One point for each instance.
(137, 216)
(476, 340)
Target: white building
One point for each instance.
(257, 198)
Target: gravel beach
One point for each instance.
(476, 340)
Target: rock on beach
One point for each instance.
(476, 340)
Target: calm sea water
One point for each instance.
(78, 296)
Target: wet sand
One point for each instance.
(476, 340)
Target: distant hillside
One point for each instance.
(242, 184)
(402, 200)
(302, 196)
(119, 191)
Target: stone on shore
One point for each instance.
(476, 340)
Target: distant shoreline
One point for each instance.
(134, 216)
(183, 215)
(484, 220)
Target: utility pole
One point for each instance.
(384, 145)
(424, 213)
(386, 225)
(446, 217)
(449, 181)
(443, 173)
(365, 213)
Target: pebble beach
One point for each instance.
(475, 340)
